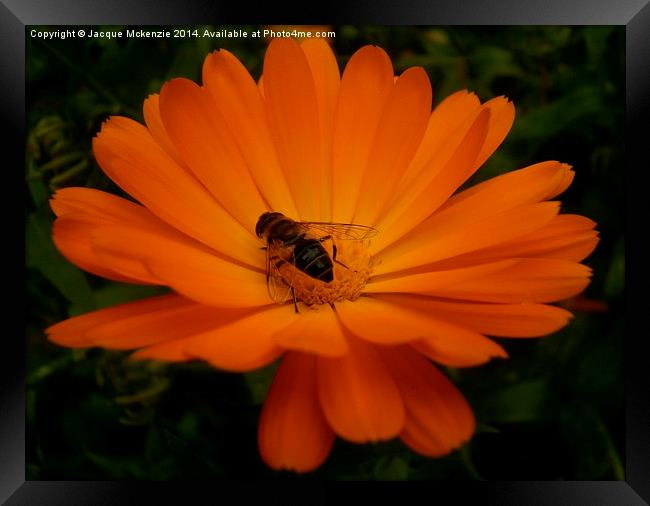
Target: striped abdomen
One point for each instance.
(311, 258)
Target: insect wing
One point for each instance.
(279, 275)
(345, 231)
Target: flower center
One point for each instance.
(352, 269)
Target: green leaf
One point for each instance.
(595, 452)
(158, 386)
(615, 281)
(118, 468)
(485, 428)
(596, 42)
(45, 370)
(119, 293)
(189, 426)
(523, 402)
(391, 469)
(43, 256)
(37, 190)
(492, 61)
(189, 59)
(567, 112)
(259, 382)
(189, 456)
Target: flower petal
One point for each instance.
(528, 280)
(433, 185)
(83, 216)
(524, 186)
(72, 237)
(437, 239)
(101, 208)
(325, 72)
(73, 332)
(503, 320)
(359, 397)
(316, 331)
(529, 185)
(502, 115)
(236, 96)
(202, 137)
(466, 349)
(385, 319)
(187, 268)
(447, 117)
(292, 431)
(244, 344)
(129, 155)
(375, 320)
(565, 237)
(399, 132)
(467, 144)
(438, 418)
(241, 343)
(428, 281)
(168, 351)
(292, 112)
(80, 211)
(151, 112)
(155, 327)
(365, 86)
(514, 280)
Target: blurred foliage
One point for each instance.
(554, 410)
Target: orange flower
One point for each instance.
(445, 269)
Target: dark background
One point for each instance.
(554, 410)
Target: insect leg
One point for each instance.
(329, 238)
(276, 260)
(334, 256)
(268, 270)
(295, 304)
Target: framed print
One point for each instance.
(374, 245)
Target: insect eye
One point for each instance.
(262, 221)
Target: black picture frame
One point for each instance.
(633, 14)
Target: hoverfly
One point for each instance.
(294, 247)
